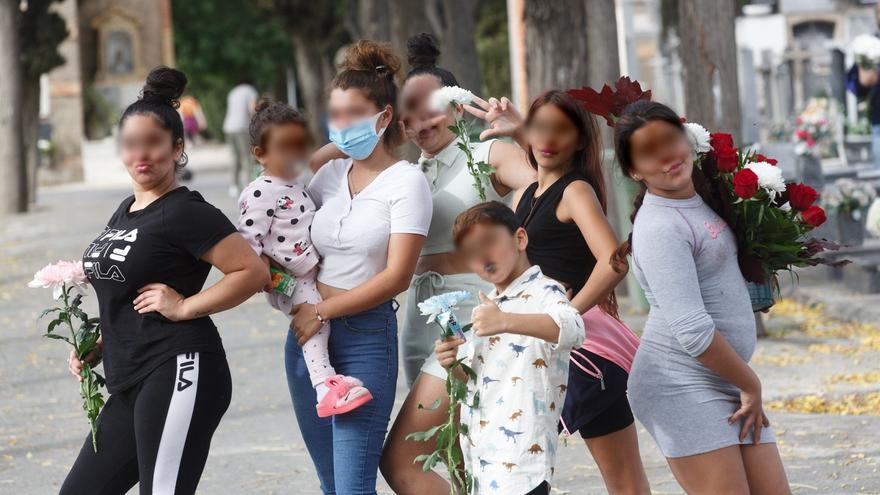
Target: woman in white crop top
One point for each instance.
(373, 215)
(440, 269)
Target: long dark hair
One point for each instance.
(160, 98)
(372, 66)
(633, 118)
(587, 159)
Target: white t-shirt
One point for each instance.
(239, 104)
(352, 234)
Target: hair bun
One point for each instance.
(164, 85)
(262, 104)
(422, 51)
(371, 56)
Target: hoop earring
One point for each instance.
(182, 161)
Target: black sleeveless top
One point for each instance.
(558, 248)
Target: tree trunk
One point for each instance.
(13, 187)
(408, 18)
(603, 65)
(374, 20)
(708, 56)
(312, 83)
(30, 130)
(459, 43)
(556, 45)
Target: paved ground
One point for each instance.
(813, 364)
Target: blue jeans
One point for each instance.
(346, 448)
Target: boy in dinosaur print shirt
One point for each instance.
(523, 333)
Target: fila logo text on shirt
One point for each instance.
(111, 247)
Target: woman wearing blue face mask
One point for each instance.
(374, 213)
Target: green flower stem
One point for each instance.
(478, 171)
(448, 434)
(93, 401)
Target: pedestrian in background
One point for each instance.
(240, 104)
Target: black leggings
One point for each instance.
(157, 432)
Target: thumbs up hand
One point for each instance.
(488, 319)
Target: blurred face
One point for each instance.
(287, 148)
(663, 159)
(421, 124)
(492, 252)
(553, 137)
(349, 106)
(148, 151)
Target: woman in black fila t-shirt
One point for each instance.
(163, 359)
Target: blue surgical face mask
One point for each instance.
(359, 139)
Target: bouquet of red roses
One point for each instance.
(771, 218)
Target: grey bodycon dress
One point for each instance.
(684, 257)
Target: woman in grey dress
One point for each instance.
(691, 385)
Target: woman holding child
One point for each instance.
(374, 212)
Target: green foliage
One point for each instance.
(493, 47)
(100, 116)
(218, 43)
(84, 340)
(40, 31)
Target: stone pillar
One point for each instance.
(65, 100)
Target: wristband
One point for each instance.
(319, 317)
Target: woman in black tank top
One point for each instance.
(561, 250)
(570, 238)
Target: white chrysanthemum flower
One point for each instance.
(867, 47)
(769, 178)
(447, 95)
(846, 186)
(786, 207)
(699, 137)
(872, 224)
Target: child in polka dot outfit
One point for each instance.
(276, 220)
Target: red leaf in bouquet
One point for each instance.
(814, 216)
(726, 159)
(761, 158)
(815, 246)
(609, 103)
(801, 196)
(745, 183)
(720, 140)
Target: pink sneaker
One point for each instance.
(345, 394)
